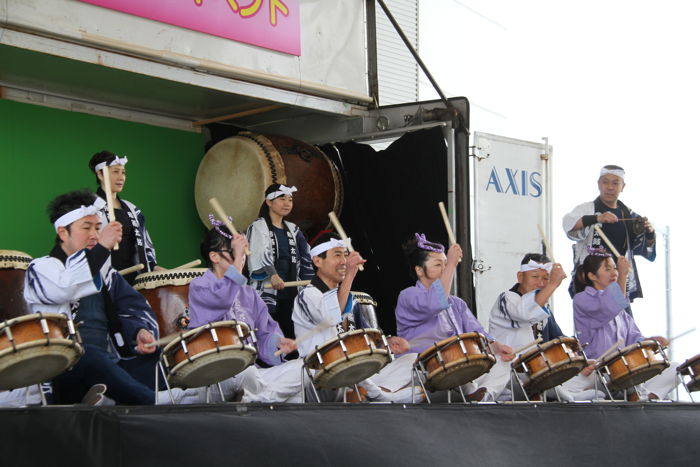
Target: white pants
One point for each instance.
(20, 397)
(661, 384)
(280, 383)
(495, 381)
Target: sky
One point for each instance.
(608, 82)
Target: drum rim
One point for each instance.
(688, 363)
(199, 329)
(142, 280)
(530, 354)
(34, 317)
(344, 334)
(15, 259)
(363, 298)
(625, 350)
(443, 343)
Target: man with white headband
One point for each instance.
(631, 234)
(521, 314)
(115, 322)
(328, 300)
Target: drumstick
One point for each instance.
(607, 241)
(609, 351)
(527, 346)
(322, 326)
(681, 335)
(108, 194)
(547, 249)
(163, 340)
(134, 268)
(267, 285)
(191, 264)
(220, 212)
(446, 220)
(341, 232)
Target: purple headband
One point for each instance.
(424, 244)
(216, 224)
(598, 251)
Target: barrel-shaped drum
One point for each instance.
(35, 348)
(167, 293)
(634, 364)
(455, 361)
(13, 265)
(237, 171)
(208, 354)
(691, 368)
(550, 364)
(364, 311)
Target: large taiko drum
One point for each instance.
(35, 348)
(550, 364)
(634, 364)
(455, 361)
(13, 265)
(237, 171)
(167, 293)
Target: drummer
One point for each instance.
(600, 318)
(115, 322)
(426, 313)
(328, 300)
(221, 294)
(521, 314)
(279, 253)
(135, 246)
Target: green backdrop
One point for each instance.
(45, 151)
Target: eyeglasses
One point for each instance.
(229, 251)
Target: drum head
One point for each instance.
(37, 363)
(638, 376)
(211, 367)
(458, 373)
(559, 374)
(349, 372)
(236, 171)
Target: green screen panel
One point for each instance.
(45, 151)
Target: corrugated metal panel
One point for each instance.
(397, 70)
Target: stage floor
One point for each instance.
(621, 434)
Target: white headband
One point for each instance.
(532, 265)
(325, 246)
(619, 172)
(72, 216)
(117, 161)
(282, 190)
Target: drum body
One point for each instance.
(167, 293)
(237, 171)
(634, 364)
(550, 364)
(455, 361)
(348, 358)
(35, 348)
(208, 354)
(364, 311)
(13, 265)
(691, 367)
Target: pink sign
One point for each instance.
(273, 24)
